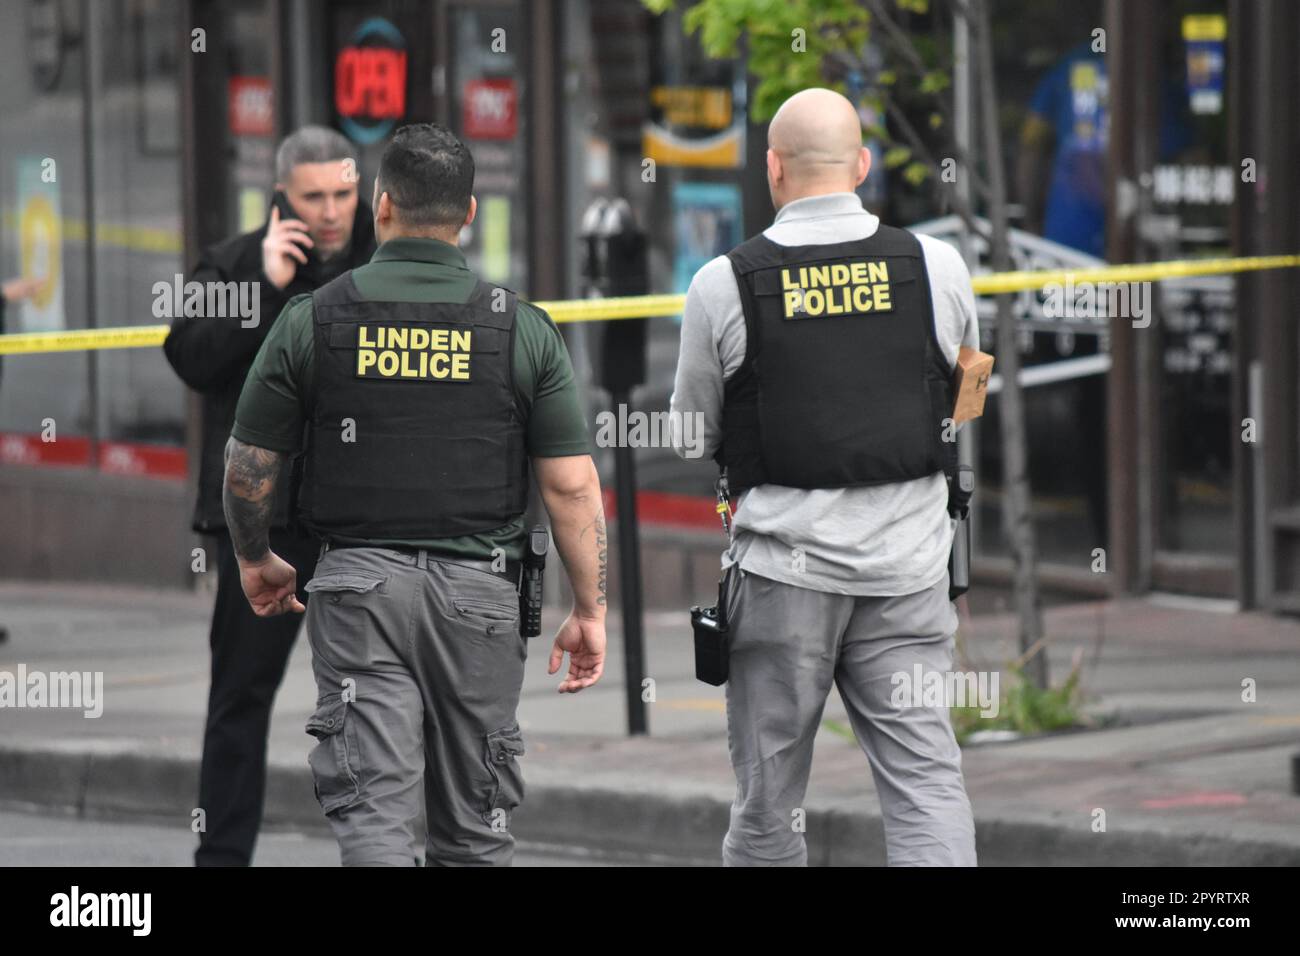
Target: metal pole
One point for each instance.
(961, 102)
(629, 575)
(89, 74)
(968, 437)
(614, 263)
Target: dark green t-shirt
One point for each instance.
(272, 411)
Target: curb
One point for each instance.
(602, 821)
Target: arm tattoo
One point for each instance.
(248, 493)
(602, 553)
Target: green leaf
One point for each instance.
(935, 81)
(916, 173)
(896, 156)
(837, 29)
(1025, 708)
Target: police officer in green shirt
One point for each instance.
(423, 394)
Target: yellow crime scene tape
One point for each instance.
(651, 306)
(999, 282)
(131, 337)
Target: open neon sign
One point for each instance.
(370, 81)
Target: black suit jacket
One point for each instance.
(213, 355)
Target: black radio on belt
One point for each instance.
(712, 633)
(530, 582)
(712, 639)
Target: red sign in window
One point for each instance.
(111, 457)
(251, 106)
(19, 449)
(370, 83)
(491, 109)
(153, 461)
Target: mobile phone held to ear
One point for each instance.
(281, 202)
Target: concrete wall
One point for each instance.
(78, 525)
(66, 524)
(74, 524)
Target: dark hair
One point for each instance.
(428, 174)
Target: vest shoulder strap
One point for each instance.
(340, 290)
(496, 300)
(761, 252)
(758, 252)
(500, 312)
(485, 297)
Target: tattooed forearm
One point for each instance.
(248, 494)
(602, 555)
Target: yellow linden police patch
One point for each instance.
(385, 351)
(844, 288)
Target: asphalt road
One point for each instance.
(33, 839)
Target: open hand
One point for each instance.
(584, 639)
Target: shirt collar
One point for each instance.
(817, 207)
(419, 249)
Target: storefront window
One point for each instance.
(43, 197)
(133, 156)
(137, 162)
(1191, 193)
(1054, 97)
(488, 66)
(250, 114)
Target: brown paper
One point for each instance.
(970, 384)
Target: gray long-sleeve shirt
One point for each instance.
(880, 540)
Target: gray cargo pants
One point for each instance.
(788, 645)
(418, 665)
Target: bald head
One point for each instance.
(815, 147)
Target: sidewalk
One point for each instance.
(1191, 776)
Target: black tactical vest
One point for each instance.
(425, 390)
(843, 381)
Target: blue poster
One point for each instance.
(706, 224)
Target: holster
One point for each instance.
(960, 488)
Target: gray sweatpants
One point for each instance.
(788, 644)
(418, 665)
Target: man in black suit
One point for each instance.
(318, 229)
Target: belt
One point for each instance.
(421, 557)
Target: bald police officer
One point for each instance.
(425, 393)
(819, 355)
